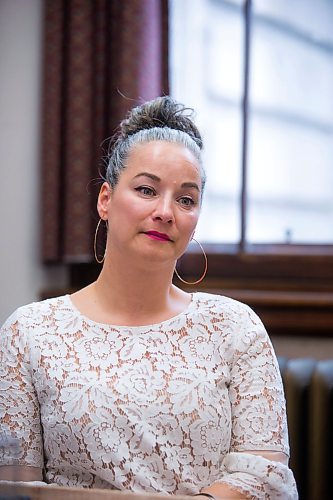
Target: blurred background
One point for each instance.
(287, 60)
(23, 274)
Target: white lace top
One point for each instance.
(169, 407)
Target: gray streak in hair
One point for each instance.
(123, 145)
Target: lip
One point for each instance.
(155, 235)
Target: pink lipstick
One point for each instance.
(155, 235)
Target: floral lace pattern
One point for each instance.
(167, 408)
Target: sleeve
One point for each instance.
(20, 429)
(258, 415)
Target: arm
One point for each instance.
(223, 491)
(257, 463)
(20, 432)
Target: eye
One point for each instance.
(145, 190)
(186, 201)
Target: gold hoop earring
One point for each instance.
(203, 274)
(99, 261)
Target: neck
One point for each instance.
(135, 291)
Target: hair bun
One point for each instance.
(161, 112)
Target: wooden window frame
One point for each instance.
(289, 285)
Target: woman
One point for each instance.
(132, 383)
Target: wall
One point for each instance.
(23, 276)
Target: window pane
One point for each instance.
(314, 17)
(206, 70)
(290, 157)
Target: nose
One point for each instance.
(164, 210)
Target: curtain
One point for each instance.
(101, 57)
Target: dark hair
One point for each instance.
(161, 119)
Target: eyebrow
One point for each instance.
(157, 179)
(147, 174)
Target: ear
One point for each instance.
(103, 201)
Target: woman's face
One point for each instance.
(154, 208)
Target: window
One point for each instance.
(260, 76)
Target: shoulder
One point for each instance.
(226, 306)
(247, 335)
(231, 316)
(33, 314)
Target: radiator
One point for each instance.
(308, 386)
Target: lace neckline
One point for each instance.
(79, 314)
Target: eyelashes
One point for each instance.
(149, 192)
(146, 190)
(186, 201)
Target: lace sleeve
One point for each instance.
(20, 431)
(258, 416)
(259, 478)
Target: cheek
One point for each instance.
(190, 222)
(187, 227)
(128, 209)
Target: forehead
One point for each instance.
(164, 156)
